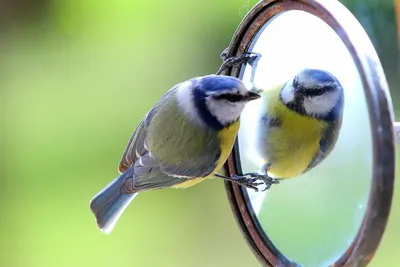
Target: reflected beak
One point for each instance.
(251, 96)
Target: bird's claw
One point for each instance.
(266, 180)
(224, 54)
(249, 182)
(248, 57)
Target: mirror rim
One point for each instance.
(346, 26)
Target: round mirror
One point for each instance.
(332, 202)
(329, 200)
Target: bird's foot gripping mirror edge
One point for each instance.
(228, 62)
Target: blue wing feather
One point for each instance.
(326, 143)
(109, 204)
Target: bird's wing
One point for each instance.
(136, 146)
(326, 143)
(152, 173)
(148, 174)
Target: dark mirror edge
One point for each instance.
(367, 240)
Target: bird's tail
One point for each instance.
(109, 204)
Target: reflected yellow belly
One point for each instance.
(291, 146)
(292, 160)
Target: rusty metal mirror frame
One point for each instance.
(333, 13)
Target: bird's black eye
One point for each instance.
(317, 91)
(229, 97)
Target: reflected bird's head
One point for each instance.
(314, 93)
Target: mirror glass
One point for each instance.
(312, 218)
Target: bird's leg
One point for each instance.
(233, 61)
(249, 182)
(268, 181)
(224, 54)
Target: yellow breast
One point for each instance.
(227, 138)
(189, 183)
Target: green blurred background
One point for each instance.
(76, 78)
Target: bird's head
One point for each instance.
(213, 100)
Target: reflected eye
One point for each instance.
(317, 92)
(229, 97)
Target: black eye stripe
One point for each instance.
(317, 91)
(229, 97)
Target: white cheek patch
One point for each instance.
(287, 93)
(245, 87)
(226, 112)
(184, 95)
(322, 104)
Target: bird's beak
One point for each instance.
(251, 96)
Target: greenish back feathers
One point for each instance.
(198, 158)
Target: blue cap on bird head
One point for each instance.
(319, 75)
(314, 79)
(219, 83)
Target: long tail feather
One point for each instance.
(109, 204)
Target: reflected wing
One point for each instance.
(326, 144)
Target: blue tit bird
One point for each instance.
(299, 124)
(186, 137)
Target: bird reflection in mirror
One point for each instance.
(298, 125)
